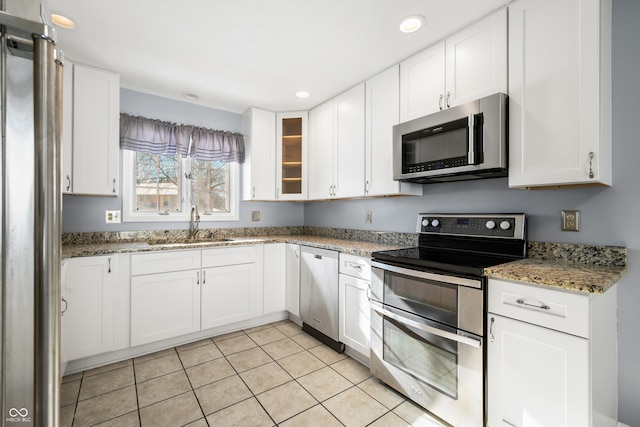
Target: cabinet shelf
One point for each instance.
(291, 136)
(291, 179)
(291, 163)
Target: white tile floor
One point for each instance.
(270, 375)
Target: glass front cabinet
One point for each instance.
(291, 156)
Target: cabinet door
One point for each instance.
(66, 134)
(164, 305)
(559, 93)
(64, 306)
(258, 169)
(291, 156)
(477, 60)
(354, 313)
(274, 277)
(536, 376)
(422, 83)
(382, 113)
(292, 279)
(231, 294)
(349, 153)
(91, 283)
(321, 146)
(96, 124)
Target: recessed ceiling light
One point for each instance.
(62, 21)
(190, 96)
(302, 94)
(412, 23)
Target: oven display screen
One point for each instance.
(463, 221)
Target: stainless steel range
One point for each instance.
(428, 311)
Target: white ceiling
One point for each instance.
(239, 53)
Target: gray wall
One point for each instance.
(86, 213)
(608, 214)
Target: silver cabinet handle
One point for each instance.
(66, 305)
(278, 193)
(448, 99)
(369, 292)
(543, 306)
(591, 155)
(253, 192)
(366, 187)
(114, 185)
(491, 337)
(109, 265)
(429, 329)
(204, 277)
(68, 183)
(198, 278)
(440, 101)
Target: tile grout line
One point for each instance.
(184, 371)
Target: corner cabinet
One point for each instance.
(468, 65)
(93, 133)
(258, 169)
(291, 156)
(551, 357)
(336, 146)
(382, 112)
(559, 93)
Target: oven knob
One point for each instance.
(490, 225)
(425, 222)
(435, 223)
(505, 225)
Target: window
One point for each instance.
(163, 187)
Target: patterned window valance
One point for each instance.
(157, 137)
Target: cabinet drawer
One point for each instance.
(229, 256)
(555, 309)
(355, 266)
(162, 262)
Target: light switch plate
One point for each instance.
(570, 220)
(112, 217)
(368, 217)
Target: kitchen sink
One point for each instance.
(187, 242)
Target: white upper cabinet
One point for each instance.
(559, 93)
(467, 66)
(96, 131)
(291, 156)
(336, 148)
(382, 113)
(258, 169)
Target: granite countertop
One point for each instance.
(591, 269)
(354, 247)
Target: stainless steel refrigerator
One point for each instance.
(30, 217)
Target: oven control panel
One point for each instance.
(489, 225)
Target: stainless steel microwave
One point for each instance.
(460, 143)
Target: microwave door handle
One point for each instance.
(471, 157)
(426, 328)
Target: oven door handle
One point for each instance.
(430, 329)
(429, 276)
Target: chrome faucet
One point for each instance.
(193, 223)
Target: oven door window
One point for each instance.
(437, 147)
(430, 359)
(430, 299)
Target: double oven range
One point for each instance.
(428, 311)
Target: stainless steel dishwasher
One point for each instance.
(319, 295)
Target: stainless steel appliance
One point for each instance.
(428, 311)
(460, 143)
(319, 295)
(30, 232)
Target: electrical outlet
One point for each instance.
(570, 220)
(368, 217)
(255, 215)
(112, 217)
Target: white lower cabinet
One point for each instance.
(176, 293)
(354, 286)
(90, 310)
(274, 277)
(230, 294)
(292, 279)
(164, 305)
(551, 357)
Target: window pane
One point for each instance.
(157, 182)
(210, 186)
